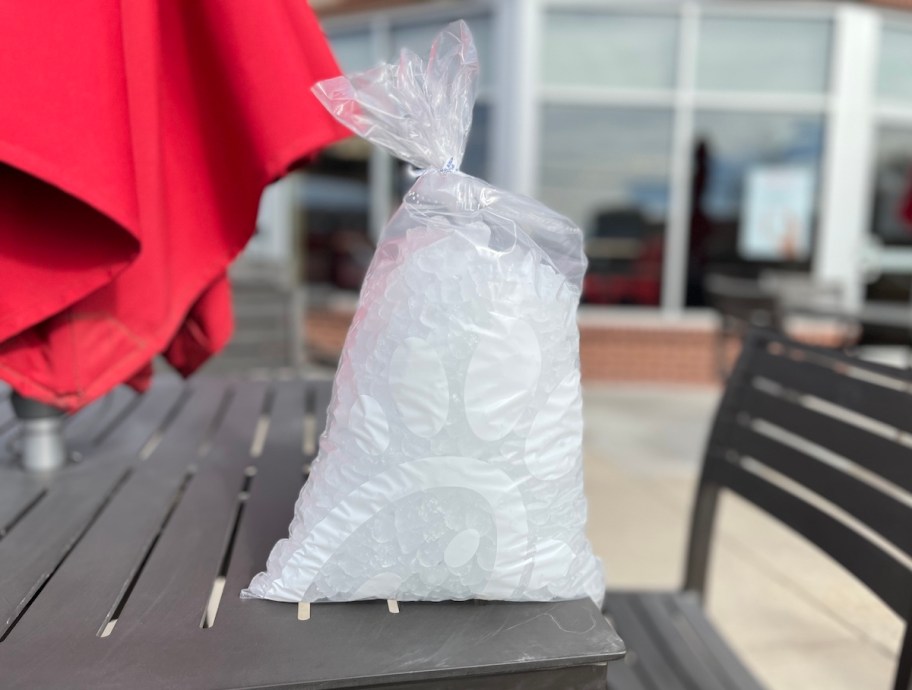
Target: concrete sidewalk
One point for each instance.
(795, 617)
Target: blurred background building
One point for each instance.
(751, 139)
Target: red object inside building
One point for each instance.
(135, 140)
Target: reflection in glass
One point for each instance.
(729, 147)
(895, 70)
(892, 221)
(333, 203)
(597, 48)
(891, 224)
(775, 55)
(607, 169)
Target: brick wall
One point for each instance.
(612, 348)
(324, 332)
(632, 353)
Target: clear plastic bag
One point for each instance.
(451, 464)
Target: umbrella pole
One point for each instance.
(43, 448)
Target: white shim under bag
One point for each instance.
(451, 463)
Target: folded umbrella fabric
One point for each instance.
(135, 140)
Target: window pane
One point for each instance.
(477, 153)
(333, 203)
(607, 169)
(609, 49)
(419, 37)
(732, 155)
(353, 51)
(778, 55)
(895, 75)
(892, 221)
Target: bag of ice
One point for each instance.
(451, 463)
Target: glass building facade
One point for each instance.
(681, 136)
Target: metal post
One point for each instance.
(43, 448)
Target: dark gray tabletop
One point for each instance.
(123, 571)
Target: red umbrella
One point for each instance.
(135, 140)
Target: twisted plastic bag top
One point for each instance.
(422, 113)
(419, 112)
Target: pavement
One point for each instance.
(796, 619)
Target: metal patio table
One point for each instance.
(123, 570)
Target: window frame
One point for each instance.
(685, 99)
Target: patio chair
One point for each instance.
(854, 470)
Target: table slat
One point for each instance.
(112, 552)
(31, 552)
(6, 409)
(277, 483)
(172, 592)
(18, 494)
(85, 424)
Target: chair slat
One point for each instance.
(888, 405)
(621, 676)
(881, 572)
(647, 658)
(685, 609)
(882, 456)
(689, 663)
(671, 645)
(882, 512)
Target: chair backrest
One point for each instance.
(822, 442)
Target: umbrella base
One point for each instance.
(42, 449)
